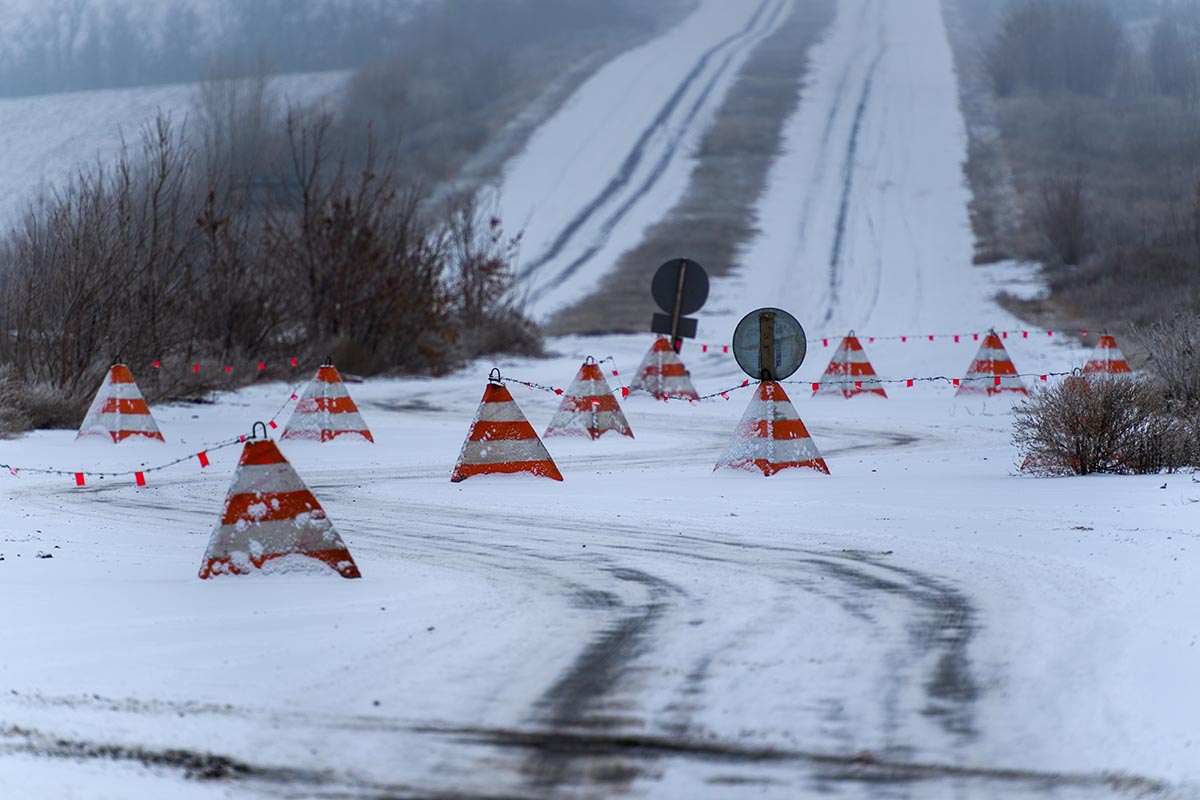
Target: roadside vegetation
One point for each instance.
(250, 232)
(185, 255)
(1097, 111)
(1084, 118)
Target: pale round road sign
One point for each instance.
(665, 286)
(769, 344)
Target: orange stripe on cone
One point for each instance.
(340, 561)
(483, 431)
(117, 405)
(501, 441)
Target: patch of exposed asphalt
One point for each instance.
(864, 767)
(622, 752)
(941, 631)
(587, 695)
(212, 767)
(633, 159)
(715, 215)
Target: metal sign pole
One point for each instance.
(677, 342)
(769, 344)
(679, 288)
(766, 346)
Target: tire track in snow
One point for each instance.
(941, 627)
(586, 696)
(735, 44)
(839, 232)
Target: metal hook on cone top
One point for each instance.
(494, 376)
(852, 332)
(254, 430)
(328, 362)
(590, 360)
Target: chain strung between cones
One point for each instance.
(840, 382)
(827, 339)
(202, 456)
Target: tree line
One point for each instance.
(1081, 47)
(77, 45)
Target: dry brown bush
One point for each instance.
(180, 255)
(1173, 346)
(1101, 424)
(14, 411)
(1062, 218)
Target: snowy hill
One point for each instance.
(46, 139)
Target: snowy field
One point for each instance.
(924, 622)
(47, 139)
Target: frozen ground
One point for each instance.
(921, 623)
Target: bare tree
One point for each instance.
(1175, 54)
(1062, 218)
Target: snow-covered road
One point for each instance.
(865, 221)
(920, 623)
(617, 156)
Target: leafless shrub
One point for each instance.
(490, 316)
(1175, 53)
(1137, 286)
(1064, 45)
(1174, 349)
(1101, 424)
(14, 412)
(1062, 218)
(186, 254)
(45, 406)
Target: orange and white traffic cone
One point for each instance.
(850, 372)
(663, 375)
(501, 441)
(992, 372)
(272, 523)
(1107, 358)
(119, 411)
(326, 411)
(589, 408)
(771, 436)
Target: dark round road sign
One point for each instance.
(665, 286)
(769, 344)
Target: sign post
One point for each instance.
(679, 287)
